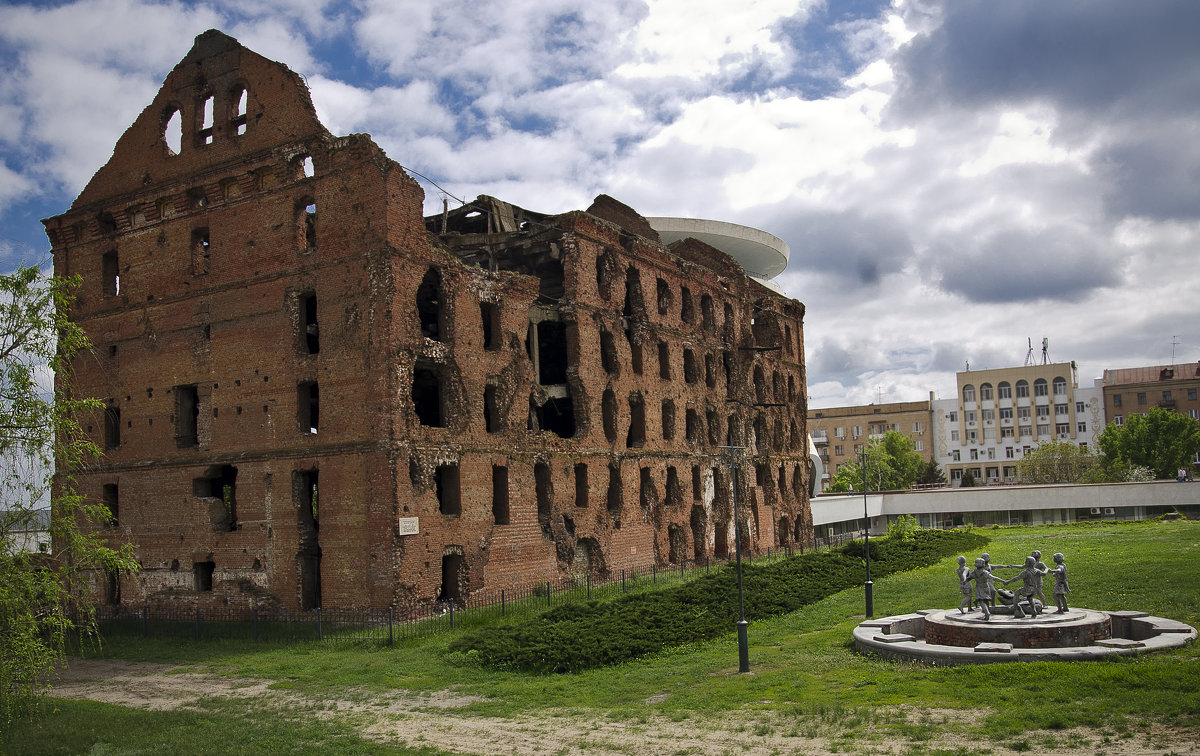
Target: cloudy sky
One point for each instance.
(953, 177)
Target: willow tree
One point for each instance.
(41, 444)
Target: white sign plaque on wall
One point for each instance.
(409, 525)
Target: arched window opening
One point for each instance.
(615, 495)
(205, 133)
(306, 224)
(687, 311)
(544, 489)
(968, 393)
(985, 392)
(237, 120)
(636, 437)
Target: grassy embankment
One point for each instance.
(803, 671)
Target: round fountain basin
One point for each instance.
(1073, 628)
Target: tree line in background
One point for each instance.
(1154, 446)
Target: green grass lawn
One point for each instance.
(802, 668)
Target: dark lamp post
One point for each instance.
(742, 624)
(868, 586)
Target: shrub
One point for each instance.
(583, 636)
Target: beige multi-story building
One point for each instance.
(998, 416)
(839, 433)
(1133, 391)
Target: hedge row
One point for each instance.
(582, 636)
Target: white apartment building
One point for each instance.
(998, 416)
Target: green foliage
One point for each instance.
(903, 528)
(40, 445)
(1161, 440)
(1060, 462)
(579, 637)
(892, 465)
(968, 479)
(931, 475)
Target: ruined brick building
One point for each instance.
(318, 396)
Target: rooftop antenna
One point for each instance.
(1029, 354)
(1045, 351)
(1174, 343)
(879, 395)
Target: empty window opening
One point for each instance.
(308, 406)
(664, 361)
(697, 483)
(791, 389)
(668, 419)
(727, 364)
(308, 520)
(677, 544)
(581, 485)
(200, 252)
(197, 198)
(710, 371)
(687, 310)
(606, 272)
(690, 373)
(449, 493)
(663, 293)
(636, 438)
(782, 479)
(454, 573)
(110, 274)
(674, 492)
(615, 496)
(760, 385)
(187, 416)
(708, 316)
(647, 493)
(608, 353)
(219, 487)
(489, 313)
(635, 306)
(427, 395)
(491, 410)
(730, 327)
(608, 410)
(307, 169)
(544, 489)
(429, 305)
(692, 429)
(312, 332)
(714, 426)
(635, 353)
(205, 133)
(557, 415)
(781, 533)
(111, 498)
(552, 352)
(500, 495)
(202, 575)
(173, 131)
(112, 586)
(721, 540)
(731, 438)
(699, 534)
(112, 426)
(238, 117)
(306, 224)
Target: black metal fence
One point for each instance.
(388, 626)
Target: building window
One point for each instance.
(1006, 433)
(1079, 407)
(968, 393)
(112, 502)
(1060, 387)
(112, 426)
(1004, 390)
(1040, 387)
(1167, 395)
(985, 392)
(202, 575)
(205, 134)
(1009, 452)
(312, 332)
(237, 118)
(1062, 429)
(957, 455)
(970, 416)
(1060, 409)
(1022, 389)
(668, 419)
(839, 432)
(1043, 412)
(1081, 427)
(1006, 413)
(187, 416)
(954, 435)
(448, 488)
(500, 494)
(1141, 397)
(1191, 395)
(489, 315)
(838, 451)
(919, 445)
(427, 395)
(1022, 413)
(952, 416)
(200, 252)
(1116, 400)
(917, 427)
(429, 305)
(581, 485)
(1194, 413)
(972, 437)
(974, 454)
(110, 274)
(989, 416)
(308, 406)
(857, 431)
(1119, 420)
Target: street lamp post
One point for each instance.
(868, 586)
(742, 624)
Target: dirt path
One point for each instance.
(436, 720)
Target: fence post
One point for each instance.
(145, 627)
(451, 615)
(654, 574)
(391, 637)
(502, 604)
(197, 623)
(622, 580)
(320, 634)
(589, 585)
(547, 593)
(256, 623)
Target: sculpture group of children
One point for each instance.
(1031, 575)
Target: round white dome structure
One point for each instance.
(763, 255)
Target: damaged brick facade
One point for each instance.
(318, 397)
